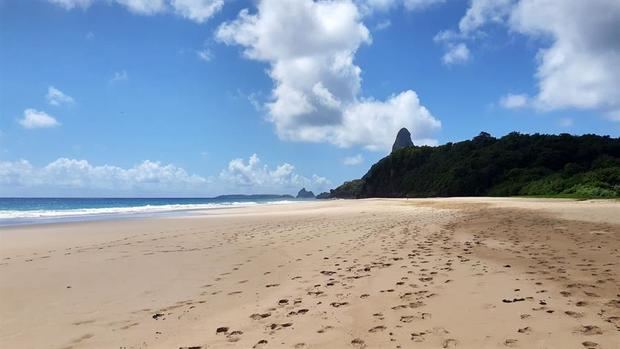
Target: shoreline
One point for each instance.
(370, 273)
(66, 216)
(29, 217)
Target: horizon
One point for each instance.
(182, 99)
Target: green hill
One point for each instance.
(517, 164)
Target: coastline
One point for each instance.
(10, 218)
(345, 273)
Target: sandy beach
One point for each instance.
(436, 273)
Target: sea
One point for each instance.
(19, 211)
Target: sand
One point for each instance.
(441, 273)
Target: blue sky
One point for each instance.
(205, 97)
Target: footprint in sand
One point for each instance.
(510, 342)
(260, 344)
(322, 330)
(449, 343)
(234, 336)
(590, 345)
(379, 328)
(418, 336)
(259, 316)
(589, 330)
(222, 329)
(359, 343)
(573, 314)
(525, 330)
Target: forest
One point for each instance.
(564, 165)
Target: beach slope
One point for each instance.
(433, 273)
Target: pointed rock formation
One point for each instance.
(403, 140)
(303, 194)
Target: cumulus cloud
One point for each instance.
(581, 66)
(310, 47)
(74, 177)
(37, 119)
(579, 58)
(481, 12)
(457, 53)
(353, 160)
(196, 10)
(56, 97)
(257, 177)
(144, 7)
(514, 101)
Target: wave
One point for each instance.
(33, 215)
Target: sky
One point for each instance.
(198, 98)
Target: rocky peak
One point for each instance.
(403, 140)
(304, 194)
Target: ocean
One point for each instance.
(17, 211)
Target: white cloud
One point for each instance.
(256, 177)
(144, 7)
(196, 10)
(56, 97)
(385, 5)
(70, 176)
(353, 160)
(374, 124)
(457, 53)
(310, 47)
(481, 12)
(514, 101)
(581, 66)
(71, 4)
(579, 58)
(119, 76)
(37, 119)
(74, 177)
(204, 54)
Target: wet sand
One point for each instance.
(437, 273)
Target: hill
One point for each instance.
(516, 164)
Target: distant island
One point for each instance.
(304, 194)
(517, 164)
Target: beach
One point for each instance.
(376, 273)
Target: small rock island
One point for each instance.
(304, 194)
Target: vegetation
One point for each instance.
(562, 165)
